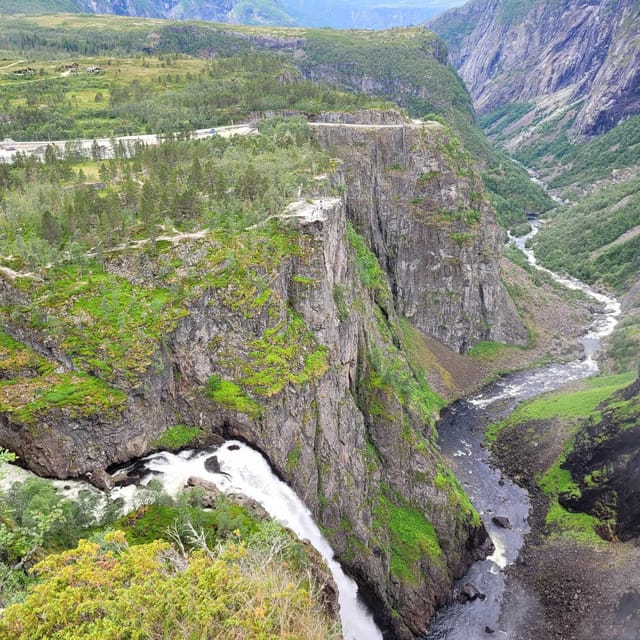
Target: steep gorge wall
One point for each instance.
(581, 51)
(411, 190)
(288, 335)
(309, 371)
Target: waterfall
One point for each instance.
(244, 470)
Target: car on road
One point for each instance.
(213, 132)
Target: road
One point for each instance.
(85, 146)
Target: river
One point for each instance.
(460, 437)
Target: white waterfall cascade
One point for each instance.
(245, 470)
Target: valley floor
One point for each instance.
(564, 588)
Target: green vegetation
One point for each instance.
(457, 497)
(486, 350)
(110, 324)
(594, 160)
(561, 404)
(624, 345)
(391, 378)
(177, 437)
(371, 274)
(512, 192)
(506, 114)
(29, 399)
(569, 410)
(412, 538)
(35, 520)
(51, 213)
(37, 6)
(111, 589)
(513, 11)
(230, 395)
(596, 240)
(171, 568)
(397, 58)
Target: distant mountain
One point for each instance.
(579, 53)
(339, 14)
(364, 14)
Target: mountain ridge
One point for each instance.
(581, 54)
(366, 14)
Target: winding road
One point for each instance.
(105, 146)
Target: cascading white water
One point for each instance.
(245, 470)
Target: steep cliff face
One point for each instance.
(576, 52)
(411, 190)
(285, 335)
(605, 464)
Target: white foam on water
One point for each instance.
(246, 471)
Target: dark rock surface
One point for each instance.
(430, 225)
(605, 463)
(469, 593)
(501, 521)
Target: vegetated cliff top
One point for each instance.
(409, 66)
(513, 51)
(406, 66)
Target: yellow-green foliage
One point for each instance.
(561, 404)
(103, 322)
(113, 591)
(177, 437)
(412, 538)
(30, 387)
(286, 351)
(16, 359)
(371, 274)
(28, 399)
(231, 396)
(456, 495)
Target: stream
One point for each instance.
(460, 438)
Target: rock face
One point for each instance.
(412, 193)
(605, 464)
(525, 52)
(298, 350)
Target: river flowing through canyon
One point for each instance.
(461, 430)
(461, 435)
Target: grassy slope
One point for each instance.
(407, 66)
(546, 427)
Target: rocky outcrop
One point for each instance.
(297, 351)
(584, 53)
(605, 464)
(412, 192)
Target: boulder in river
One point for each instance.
(501, 521)
(470, 592)
(212, 464)
(211, 491)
